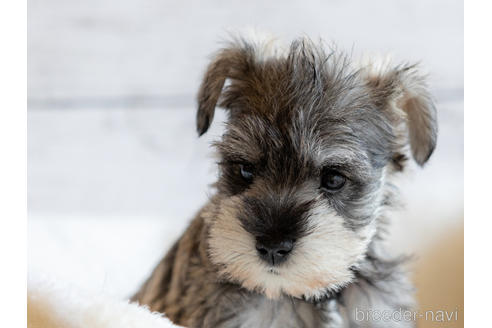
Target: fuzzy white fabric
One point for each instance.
(53, 305)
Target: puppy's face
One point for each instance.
(304, 163)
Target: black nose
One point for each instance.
(275, 253)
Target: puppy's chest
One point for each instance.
(260, 312)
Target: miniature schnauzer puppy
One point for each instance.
(293, 236)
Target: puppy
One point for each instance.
(293, 235)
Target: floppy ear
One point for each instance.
(402, 91)
(228, 63)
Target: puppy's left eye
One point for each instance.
(246, 171)
(332, 180)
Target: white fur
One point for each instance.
(374, 64)
(320, 260)
(266, 45)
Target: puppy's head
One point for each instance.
(309, 146)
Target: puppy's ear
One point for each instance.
(228, 63)
(402, 92)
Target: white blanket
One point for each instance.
(53, 305)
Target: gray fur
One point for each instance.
(292, 119)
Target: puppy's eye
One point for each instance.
(246, 171)
(332, 180)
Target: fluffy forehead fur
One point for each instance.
(291, 115)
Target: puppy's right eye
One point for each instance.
(246, 171)
(332, 180)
